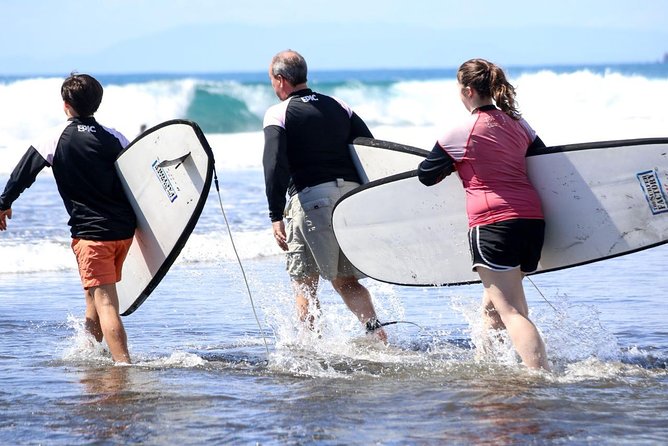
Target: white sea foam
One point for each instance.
(573, 107)
(36, 255)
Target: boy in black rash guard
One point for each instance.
(82, 154)
(306, 155)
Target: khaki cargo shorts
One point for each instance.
(312, 247)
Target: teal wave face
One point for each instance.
(221, 113)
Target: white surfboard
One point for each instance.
(166, 173)
(376, 159)
(600, 200)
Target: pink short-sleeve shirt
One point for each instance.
(489, 151)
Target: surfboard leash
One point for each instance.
(541, 294)
(241, 266)
(374, 324)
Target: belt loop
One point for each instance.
(339, 182)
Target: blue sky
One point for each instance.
(189, 36)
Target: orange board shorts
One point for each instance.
(100, 262)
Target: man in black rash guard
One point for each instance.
(102, 223)
(306, 155)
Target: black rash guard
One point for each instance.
(306, 144)
(82, 154)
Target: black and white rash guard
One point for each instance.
(306, 144)
(82, 154)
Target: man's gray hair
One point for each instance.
(291, 66)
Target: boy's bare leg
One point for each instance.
(92, 319)
(106, 305)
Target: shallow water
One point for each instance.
(202, 373)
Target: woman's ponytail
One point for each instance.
(489, 80)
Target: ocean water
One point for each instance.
(206, 371)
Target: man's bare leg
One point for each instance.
(306, 291)
(357, 298)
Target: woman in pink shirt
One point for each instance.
(506, 226)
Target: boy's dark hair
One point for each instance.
(83, 92)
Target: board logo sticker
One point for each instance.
(651, 186)
(165, 181)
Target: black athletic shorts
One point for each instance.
(507, 245)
